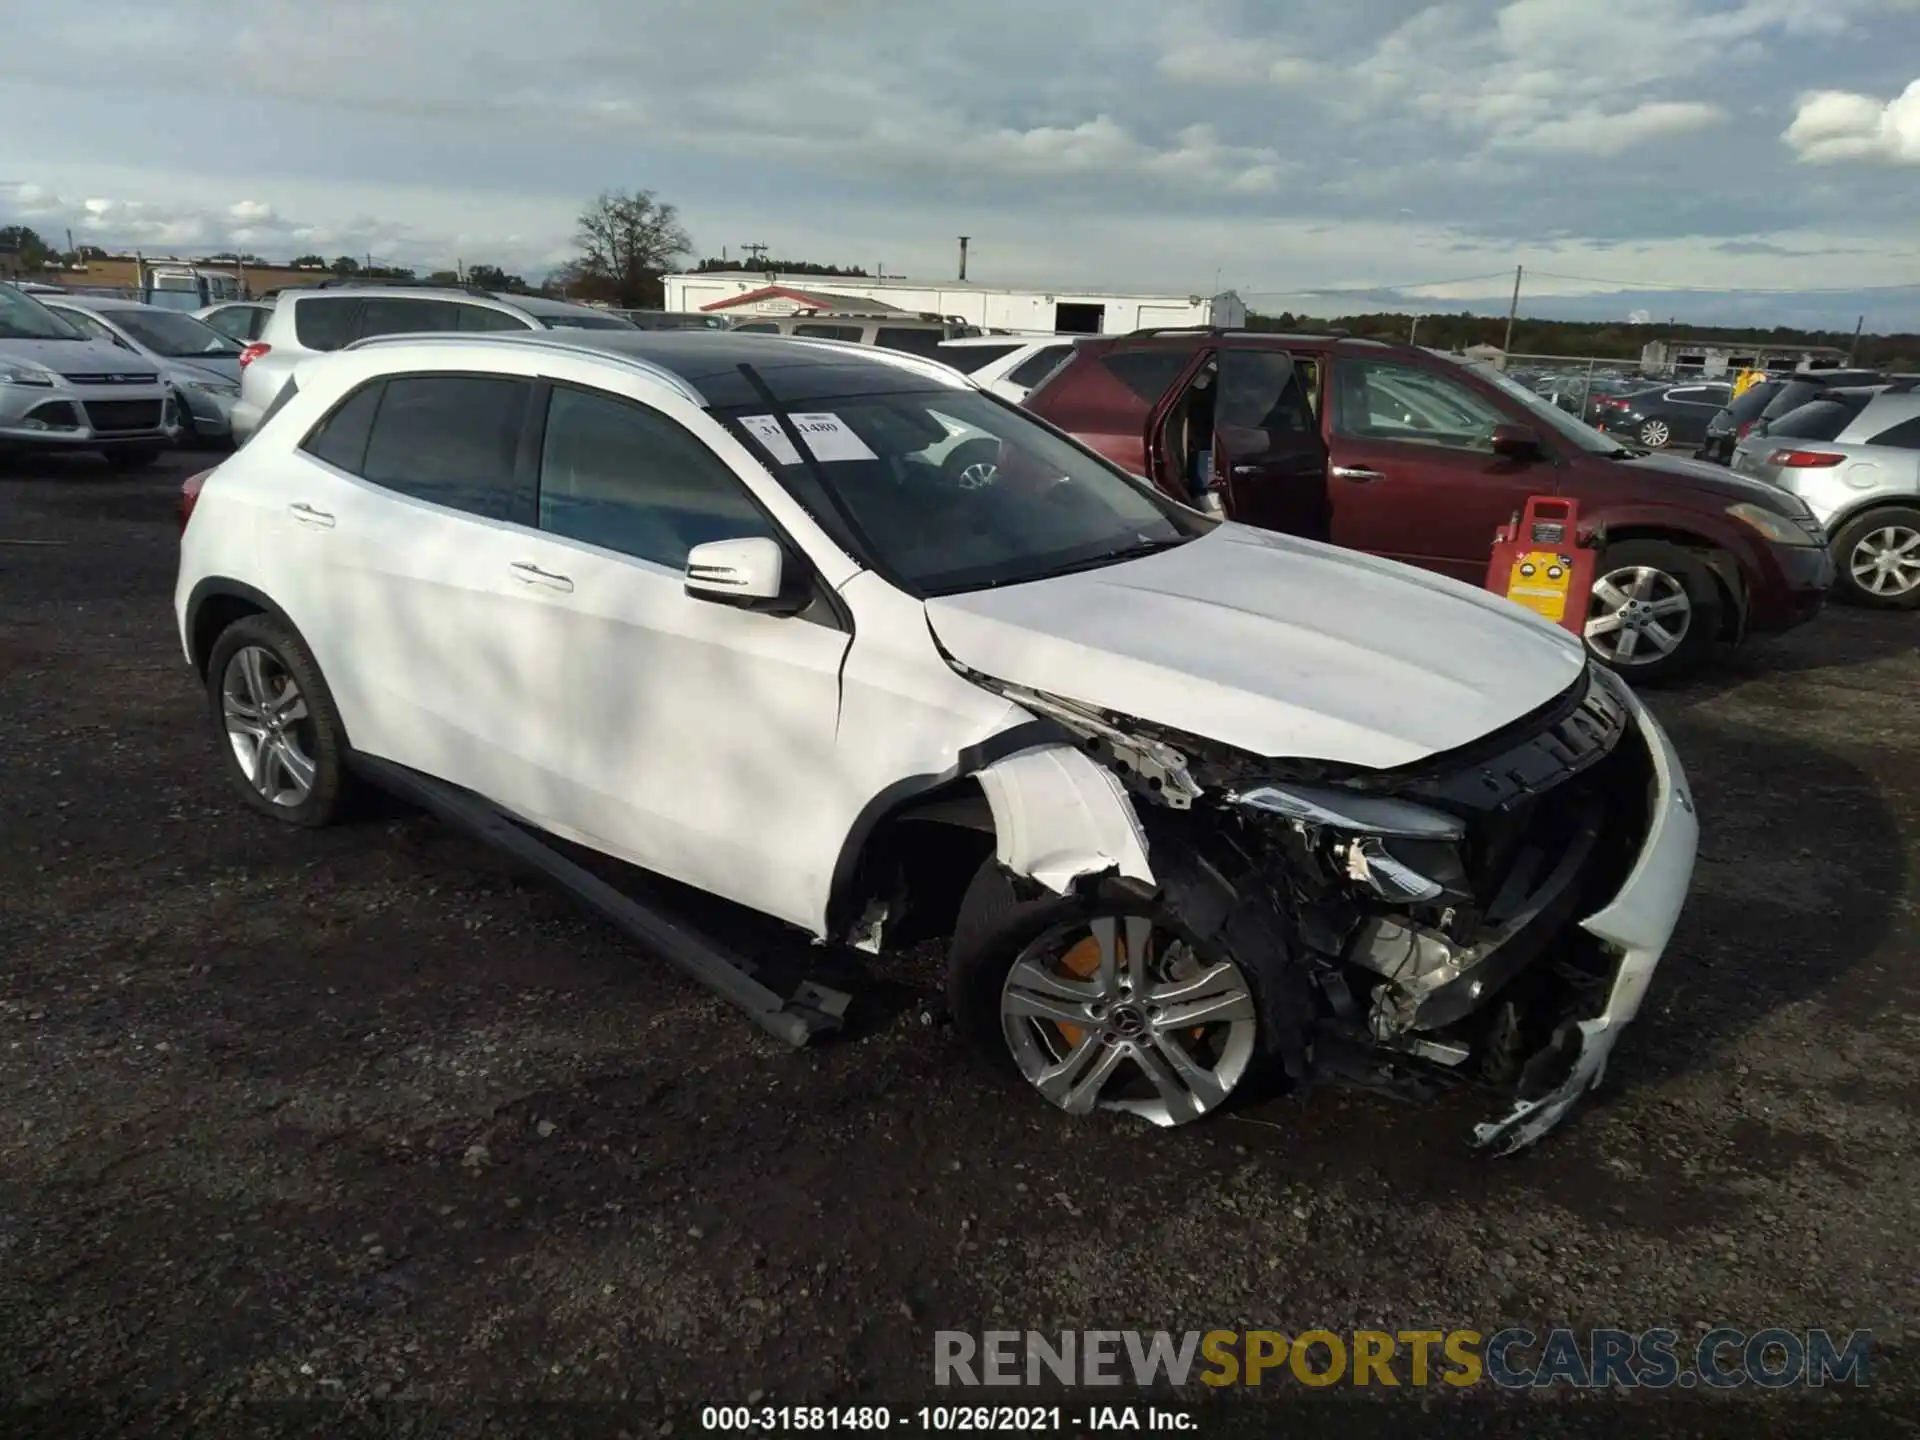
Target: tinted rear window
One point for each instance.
(828, 332)
(914, 342)
(482, 319)
(341, 438)
(1147, 373)
(1820, 420)
(1037, 366)
(324, 322)
(393, 315)
(453, 440)
(1791, 396)
(968, 359)
(1749, 404)
(1904, 436)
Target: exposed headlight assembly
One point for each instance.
(1356, 830)
(1779, 528)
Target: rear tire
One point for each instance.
(1655, 434)
(1659, 604)
(286, 751)
(1862, 542)
(1227, 949)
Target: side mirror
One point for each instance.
(746, 573)
(1516, 442)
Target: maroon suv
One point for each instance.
(1420, 457)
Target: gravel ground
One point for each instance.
(370, 1120)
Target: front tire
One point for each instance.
(285, 748)
(1655, 611)
(1876, 558)
(1169, 1006)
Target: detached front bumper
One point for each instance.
(1634, 928)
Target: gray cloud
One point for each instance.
(1093, 141)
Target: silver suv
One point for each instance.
(1854, 456)
(334, 314)
(63, 391)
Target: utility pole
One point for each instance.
(1413, 330)
(1854, 344)
(1512, 310)
(963, 255)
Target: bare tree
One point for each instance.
(627, 242)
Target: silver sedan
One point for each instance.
(199, 364)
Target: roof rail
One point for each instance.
(350, 282)
(899, 359)
(544, 340)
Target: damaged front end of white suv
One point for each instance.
(1492, 914)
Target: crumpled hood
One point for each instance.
(79, 357)
(1274, 645)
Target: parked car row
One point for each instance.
(832, 633)
(63, 390)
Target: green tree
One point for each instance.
(302, 262)
(27, 249)
(492, 277)
(344, 265)
(627, 241)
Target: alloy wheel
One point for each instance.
(268, 725)
(978, 475)
(1655, 434)
(1118, 1014)
(1886, 562)
(1638, 615)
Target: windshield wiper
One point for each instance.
(1122, 552)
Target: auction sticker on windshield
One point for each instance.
(826, 434)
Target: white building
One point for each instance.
(991, 307)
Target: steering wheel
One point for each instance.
(972, 465)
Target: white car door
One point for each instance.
(406, 529)
(700, 738)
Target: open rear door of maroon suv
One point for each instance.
(1269, 458)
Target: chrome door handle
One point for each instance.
(1246, 470)
(528, 574)
(1359, 474)
(307, 515)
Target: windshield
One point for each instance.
(177, 336)
(24, 318)
(1546, 413)
(949, 490)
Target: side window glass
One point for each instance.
(760, 327)
(1147, 373)
(478, 318)
(914, 342)
(1904, 436)
(618, 475)
(324, 322)
(1037, 366)
(1258, 391)
(452, 440)
(405, 316)
(1377, 400)
(828, 332)
(340, 438)
(233, 321)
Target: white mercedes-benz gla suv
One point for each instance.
(831, 633)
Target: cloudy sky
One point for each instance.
(1741, 159)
